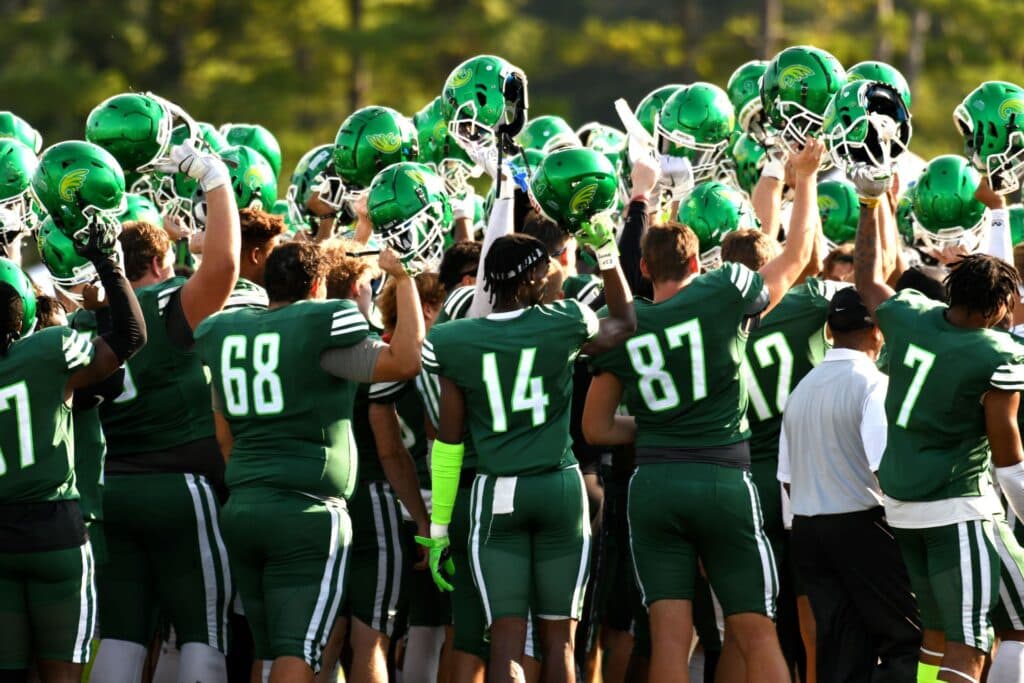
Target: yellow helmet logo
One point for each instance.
(440, 130)
(582, 198)
(416, 176)
(1010, 108)
(853, 77)
(385, 142)
(826, 203)
(71, 182)
(253, 177)
(792, 75)
(461, 77)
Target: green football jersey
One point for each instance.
(247, 293)
(787, 344)
(291, 421)
(937, 446)
(166, 397)
(456, 304)
(90, 444)
(409, 409)
(681, 370)
(36, 445)
(515, 370)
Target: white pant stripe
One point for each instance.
(479, 487)
(225, 567)
(398, 558)
(206, 561)
(86, 607)
(378, 618)
(967, 584)
(1011, 569)
(985, 563)
(581, 577)
(341, 514)
(632, 549)
(311, 641)
(764, 549)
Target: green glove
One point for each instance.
(599, 234)
(439, 559)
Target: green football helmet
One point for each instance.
(255, 137)
(368, 141)
(1016, 224)
(839, 210)
(139, 208)
(482, 97)
(79, 184)
(409, 209)
(173, 192)
(880, 72)
(306, 178)
(67, 268)
(748, 158)
(17, 164)
(16, 277)
(548, 134)
(905, 216)
(867, 122)
(695, 124)
(13, 126)
(991, 121)
(601, 138)
(945, 210)
(438, 147)
(572, 185)
(252, 180)
(744, 89)
(209, 134)
(795, 90)
(649, 109)
(712, 210)
(134, 127)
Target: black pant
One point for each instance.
(868, 625)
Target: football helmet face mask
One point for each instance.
(712, 210)
(252, 181)
(79, 184)
(991, 121)
(795, 90)
(410, 210)
(17, 164)
(67, 268)
(439, 148)
(483, 99)
(306, 178)
(601, 138)
(255, 136)
(13, 126)
(571, 186)
(866, 122)
(16, 278)
(695, 124)
(368, 141)
(945, 210)
(548, 134)
(839, 211)
(744, 89)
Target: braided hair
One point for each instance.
(509, 264)
(982, 284)
(12, 315)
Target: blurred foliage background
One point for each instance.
(299, 67)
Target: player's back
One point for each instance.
(515, 369)
(937, 444)
(290, 420)
(36, 445)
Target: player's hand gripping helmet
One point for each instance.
(67, 268)
(991, 121)
(17, 164)
(839, 211)
(438, 147)
(744, 88)
(945, 209)
(712, 210)
(695, 124)
(485, 102)
(867, 122)
(571, 186)
(255, 136)
(368, 141)
(79, 184)
(16, 278)
(13, 126)
(795, 90)
(409, 209)
(252, 180)
(548, 134)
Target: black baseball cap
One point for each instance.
(847, 312)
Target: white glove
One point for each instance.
(871, 181)
(676, 176)
(208, 169)
(464, 207)
(485, 157)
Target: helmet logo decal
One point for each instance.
(461, 77)
(71, 182)
(582, 197)
(792, 75)
(253, 178)
(385, 142)
(826, 203)
(416, 176)
(1009, 108)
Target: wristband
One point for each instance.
(1011, 481)
(438, 530)
(774, 169)
(607, 255)
(869, 202)
(644, 197)
(999, 217)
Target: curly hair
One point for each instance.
(259, 227)
(982, 284)
(510, 264)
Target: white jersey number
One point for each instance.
(527, 392)
(648, 360)
(15, 396)
(267, 394)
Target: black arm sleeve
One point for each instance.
(629, 244)
(178, 329)
(128, 328)
(103, 391)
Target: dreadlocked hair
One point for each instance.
(982, 284)
(508, 265)
(12, 316)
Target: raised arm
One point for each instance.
(208, 289)
(869, 274)
(620, 324)
(767, 198)
(400, 360)
(784, 270)
(500, 222)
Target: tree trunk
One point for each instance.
(359, 81)
(919, 28)
(771, 27)
(883, 43)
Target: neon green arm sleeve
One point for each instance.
(445, 468)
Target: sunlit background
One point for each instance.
(300, 67)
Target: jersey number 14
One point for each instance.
(528, 393)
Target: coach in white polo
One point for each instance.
(833, 436)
